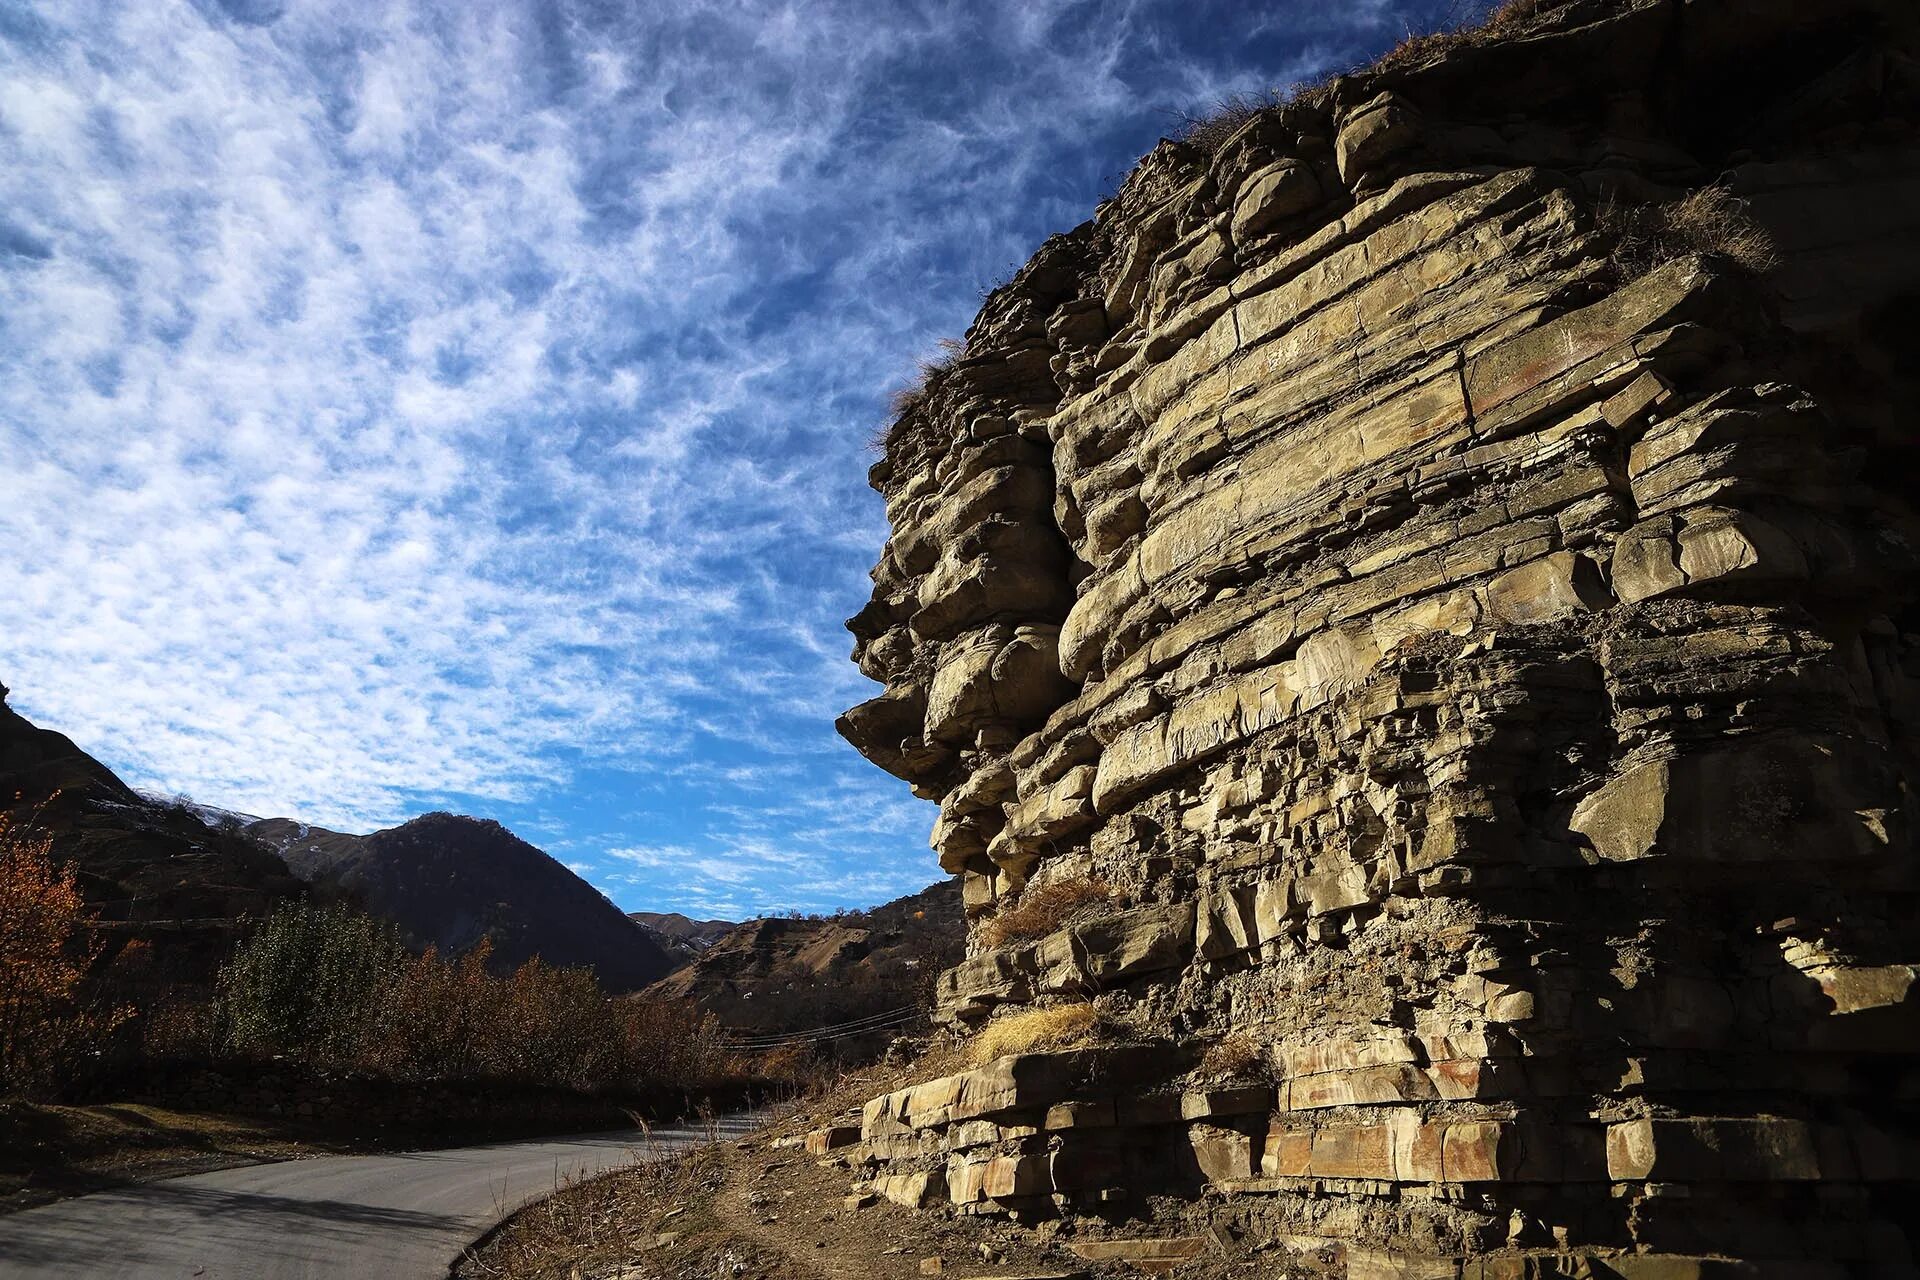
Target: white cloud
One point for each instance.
(425, 403)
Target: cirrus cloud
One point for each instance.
(416, 404)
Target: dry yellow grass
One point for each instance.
(1061, 1026)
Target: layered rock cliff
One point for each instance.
(1433, 595)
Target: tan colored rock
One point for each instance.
(1272, 196)
(1222, 1154)
(1372, 133)
(1456, 620)
(914, 1190)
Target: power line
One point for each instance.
(886, 1021)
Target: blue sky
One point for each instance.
(465, 405)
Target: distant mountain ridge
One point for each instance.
(188, 875)
(680, 936)
(151, 870)
(449, 880)
(783, 973)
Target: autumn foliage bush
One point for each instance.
(336, 991)
(51, 1026)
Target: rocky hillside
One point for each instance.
(679, 936)
(792, 973)
(1410, 616)
(151, 870)
(449, 881)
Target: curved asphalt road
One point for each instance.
(400, 1216)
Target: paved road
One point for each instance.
(358, 1217)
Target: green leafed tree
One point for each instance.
(311, 983)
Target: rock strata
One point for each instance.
(1473, 639)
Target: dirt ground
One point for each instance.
(762, 1210)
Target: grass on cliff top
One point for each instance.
(904, 399)
(1466, 23)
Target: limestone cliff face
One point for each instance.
(1456, 622)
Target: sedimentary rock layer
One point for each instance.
(1448, 603)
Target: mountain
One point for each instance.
(150, 869)
(678, 935)
(785, 973)
(450, 880)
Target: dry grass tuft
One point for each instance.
(1710, 222)
(903, 400)
(1209, 128)
(1242, 1055)
(1466, 24)
(1043, 909)
(1063, 1026)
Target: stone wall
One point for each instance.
(1465, 645)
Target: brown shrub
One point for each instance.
(1043, 909)
(1062, 1026)
(433, 1016)
(1710, 222)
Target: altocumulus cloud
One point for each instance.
(414, 405)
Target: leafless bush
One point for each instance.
(1042, 909)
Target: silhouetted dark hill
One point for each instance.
(150, 869)
(450, 880)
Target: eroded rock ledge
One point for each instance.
(1472, 653)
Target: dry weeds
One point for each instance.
(1710, 222)
(604, 1221)
(905, 399)
(1041, 909)
(1242, 1055)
